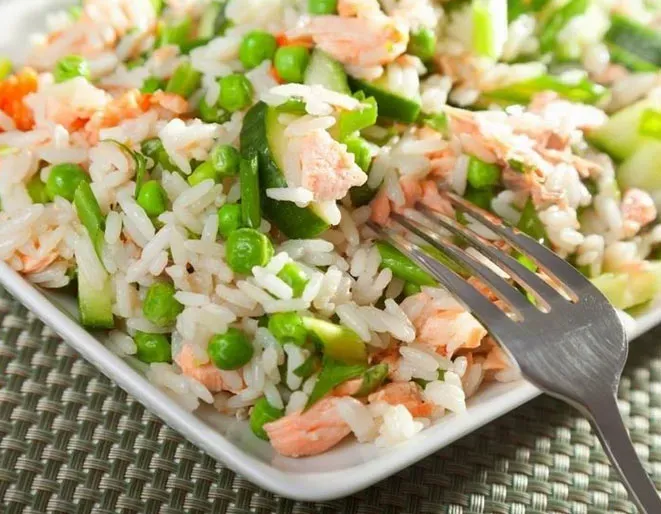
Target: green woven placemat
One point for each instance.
(71, 441)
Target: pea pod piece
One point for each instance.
(403, 267)
(250, 208)
(310, 366)
(139, 160)
(557, 21)
(337, 342)
(372, 379)
(531, 224)
(583, 91)
(333, 373)
(90, 214)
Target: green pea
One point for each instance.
(70, 67)
(482, 174)
(212, 113)
(152, 84)
(184, 81)
(292, 275)
(257, 46)
(152, 347)
(225, 159)
(290, 62)
(361, 151)
(322, 6)
(230, 350)
(229, 219)
(64, 179)
(422, 43)
(153, 198)
(262, 413)
(160, 306)
(247, 248)
(235, 92)
(287, 327)
(203, 172)
(37, 190)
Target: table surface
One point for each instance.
(72, 441)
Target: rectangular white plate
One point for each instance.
(340, 472)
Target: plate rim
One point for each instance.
(305, 486)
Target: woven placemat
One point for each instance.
(71, 441)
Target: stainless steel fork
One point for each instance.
(570, 342)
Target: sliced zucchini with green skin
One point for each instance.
(337, 341)
(619, 136)
(326, 71)
(642, 168)
(95, 305)
(626, 290)
(263, 136)
(391, 105)
(641, 41)
(629, 60)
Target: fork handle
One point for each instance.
(612, 433)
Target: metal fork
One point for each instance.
(570, 343)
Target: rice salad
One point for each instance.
(201, 175)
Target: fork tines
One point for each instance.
(481, 258)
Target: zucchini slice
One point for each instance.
(263, 135)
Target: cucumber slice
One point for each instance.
(642, 168)
(619, 136)
(626, 290)
(641, 41)
(326, 71)
(263, 136)
(95, 305)
(391, 105)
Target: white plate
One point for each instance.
(346, 469)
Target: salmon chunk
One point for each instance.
(311, 432)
